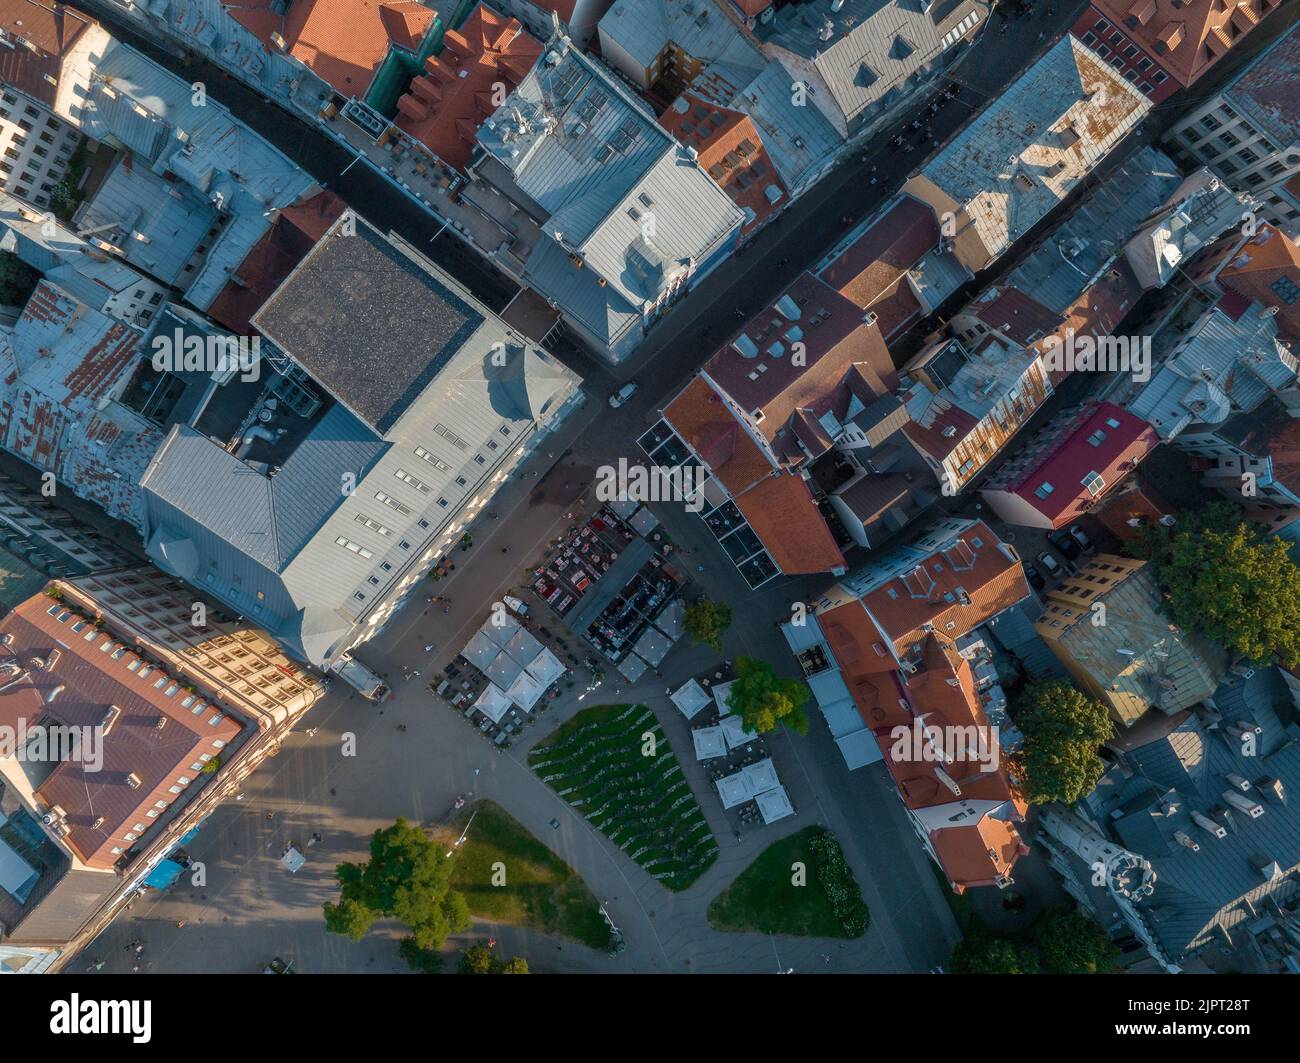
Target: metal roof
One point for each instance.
(1035, 142)
(269, 545)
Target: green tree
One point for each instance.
(707, 621)
(982, 953)
(764, 699)
(1063, 730)
(479, 959)
(1071, 943)
(407, 878)
(423, 961)
(1229, 581)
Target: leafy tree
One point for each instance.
(764, 699)
(982, 953)
(707, 621)
(1226, 579)
(1071, 943)
(1063, 728)
(479, 959)
(423, 961)
(408, 878)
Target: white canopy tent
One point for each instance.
(734, 790)
(546, 668)
(690, 699)
(720, 693)
(774, 805)
(762, 776)
(733, 730)
(525, 691)
(708, 743)
(493, 703)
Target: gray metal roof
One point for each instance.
(367, 321)
(1035, 142)
(1185, 770)
(869, 51)
(1060, 268)
(268, 545)
(1221, 364)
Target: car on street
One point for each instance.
(1034, 576)
(1064, 544)
(622, 395)
(1085, 544)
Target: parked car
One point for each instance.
(1051, 566)
(1034, 576)
(1085, 544)
(622, 395)
(1066, 545)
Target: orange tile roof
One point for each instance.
(700, 418)
(870, 267)
(782, 513)
(977, 855)
(50, 30)
(80, 689)
(1268, 257)
(780, 507)
(991, 581)
(446, 105)
(1186, 37)
(342, 41)
(731, 149)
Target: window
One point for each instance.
(373, 525)
(1286, 290)
(1160, 77)
(391, 502)
(356, 548)
(1044, 489)
(420, 452)
(1111, 422)
(1094, 483)
(407, 478)
(1097, 438)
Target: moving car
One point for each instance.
(622, 395)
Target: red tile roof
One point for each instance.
(1186, 37)
(342, 41)
(835, 338)
(784, 516)
(153, 737)
(1124, 441)
(1268, 258)
(779, 507)
(295, 231)
(1133, 501)
(931, 593)
(873, 263)
(731, 149)
(978, 855)
(446, 105)
(50, 30)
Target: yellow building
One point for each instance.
(1108, 628)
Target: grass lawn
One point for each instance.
(541, 891)
(764, 899)
(597, 761)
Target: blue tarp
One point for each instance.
(164, 875)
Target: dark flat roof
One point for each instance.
(369, 322)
